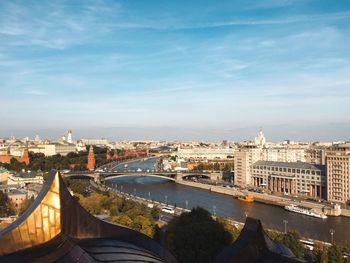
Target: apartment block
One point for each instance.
(338, 173)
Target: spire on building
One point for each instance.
(69, 137)
(260, 140)
(91, 159)
(25, 156)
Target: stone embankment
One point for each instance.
(269, 199)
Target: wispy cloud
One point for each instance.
(35, 92)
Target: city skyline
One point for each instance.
(166, 70)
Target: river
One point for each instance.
(223, 205)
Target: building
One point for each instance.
(260, 140)
(338, 173)
(69, 137)
(25, 177)
(244, 158)
(291, 178)
(6, 158)
(54, 148)
(17, 197)
(4, 174)
(283, 154)
(91, 159)
(97, 142)
(202, 153)
(316, 155)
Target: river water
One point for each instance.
(164, 190)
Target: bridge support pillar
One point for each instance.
(178, 176)
(97, 177)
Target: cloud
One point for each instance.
(36, 92)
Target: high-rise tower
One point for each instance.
(91, 159)
(69, 137)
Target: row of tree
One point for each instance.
(214, 166)
(121, 210)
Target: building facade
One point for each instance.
(6, 158)
(91, 159)
(284, 154)
(338, 173)
(291, 178)
(205, 153)
(244, 158)
(23, 178)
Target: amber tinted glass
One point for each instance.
(40, 226)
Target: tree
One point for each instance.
(77, 187)
(228, 227)
(335, 254)
(122, 219)
(292, 241)
(319, 253)
(6, 206)
(144, 225)
(196, 236)
(25, 205)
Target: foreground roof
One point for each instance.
(57, 228)
(254, 246)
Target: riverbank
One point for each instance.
(178, 210)
(268, 199)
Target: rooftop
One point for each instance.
(295, 165)
(55, 228)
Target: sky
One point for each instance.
(208, 70)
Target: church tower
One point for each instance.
(108, 154)
(25, 156)
(91, 159)
(69, 137)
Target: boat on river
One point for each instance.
(247, 198)
(305, 211)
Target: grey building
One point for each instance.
(291, 178)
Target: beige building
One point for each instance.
(4, 174)
(17, 197)
(338, 173)
(54, 148)
(205, 153)
(316, 156)
(24, 178)
(284, 154)
(244, 158)
(290, 178)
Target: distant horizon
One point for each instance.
(272, 133)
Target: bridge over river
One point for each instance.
(174, 176)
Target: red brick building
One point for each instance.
(23, 159)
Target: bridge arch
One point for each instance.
(138, 175)
(78, 176)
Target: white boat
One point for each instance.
(304, 211)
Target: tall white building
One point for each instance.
(260, 140)
(69, 137)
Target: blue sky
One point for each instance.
(205, 69)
